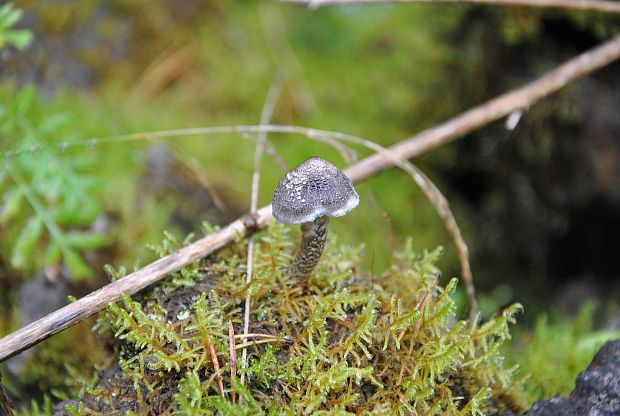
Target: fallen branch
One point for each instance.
(604, 6)
(423, 142)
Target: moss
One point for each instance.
(343, 342)
(551, 355)
(57, 365)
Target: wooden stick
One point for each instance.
(604, 6)
(516, 100)
(423, 142)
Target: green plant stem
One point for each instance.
(53, 230)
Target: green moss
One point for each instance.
(343, 342)
(556, 350)
(54, 370)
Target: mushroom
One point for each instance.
(309, 195)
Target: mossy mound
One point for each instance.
(343, 342)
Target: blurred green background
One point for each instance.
(539, 205)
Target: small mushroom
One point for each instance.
(309, 195)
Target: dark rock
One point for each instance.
(36, 298)
(597, 391)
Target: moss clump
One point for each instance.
(343, 342)
(553, 354)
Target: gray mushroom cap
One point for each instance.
(311, 190)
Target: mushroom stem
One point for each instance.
(313, 237)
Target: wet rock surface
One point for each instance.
(597, 391)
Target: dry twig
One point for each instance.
(604, 6)
(423, 142)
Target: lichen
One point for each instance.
(341, 342)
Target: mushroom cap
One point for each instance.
(311, 190)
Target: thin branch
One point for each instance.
(604, 6)
(413, 146)
(494, 109)
(265, 117)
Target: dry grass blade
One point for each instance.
(216, 366)
(168, 67)
(421, 306)
(413, 146)
(266, 114)
(251, 343)
(240, 336)
(604, 6)
(233, 359)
